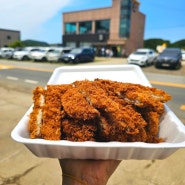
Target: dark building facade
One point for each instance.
(119, 27)
(8, 36)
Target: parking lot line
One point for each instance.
(2, 66)
(182, 107)
(12, 78)
(31, 81)
(168, 84)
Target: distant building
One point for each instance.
(8, 36)
(119, 28)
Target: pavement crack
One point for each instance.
(15, 179)
(150, 164)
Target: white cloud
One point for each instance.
(29, 16)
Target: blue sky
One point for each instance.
(42, 20)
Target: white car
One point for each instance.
(142, 57)
(24, 54)
(6, 52)
(55, 55)
(41, 54)
(183, 54)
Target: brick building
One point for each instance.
(119, 27)
(8, 36)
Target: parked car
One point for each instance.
(41, 54)
(24, 54)
(77, 55)
(6, 52)
(142, 57)
(170, 58)
(56, 54)
(183, 54)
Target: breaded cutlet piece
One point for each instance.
(78, 130)
(124, 116)
(136, 94)
(76, 105)
(50, 129)
(35, 121)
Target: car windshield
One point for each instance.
(170, 52)
(140, 53)
(76, 51)
(55, 51)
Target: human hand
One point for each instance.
(87, 172)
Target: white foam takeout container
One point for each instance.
(171, 128)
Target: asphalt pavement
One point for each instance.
(18, 166)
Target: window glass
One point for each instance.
(125, 3)
(85, 44)
(71, 44)
(70, 28)
(102, 26)
(125, 15)
(85, 27)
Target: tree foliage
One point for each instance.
(16, 44)
(34, 43)
(21, 44)
(179, 44)
(153, 43)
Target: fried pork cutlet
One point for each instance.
(78, 130)
(126, 117)
(35, 122)
(99, 110)
(76, 106)
(136, 94)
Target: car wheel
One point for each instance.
(146, 63)
(178, 66)
(92, 59)
(157, 66)
(25, 58)
(76, 60)
(44, 59)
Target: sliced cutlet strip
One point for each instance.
(136, 94)
(76, 105)
(79, 130)
(35, 121)
(52, 112)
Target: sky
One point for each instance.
(41, 20)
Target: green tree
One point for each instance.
(153, 43)
(16, 44)
(34, 43)
(179, 44)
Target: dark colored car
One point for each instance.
(78, 55)
(169, 58)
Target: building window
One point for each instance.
(102, 26)
(70, 28)
(71, 44)
(8, 37)
(126, 3)
(125, 15)
(85, 44)
(85, 27)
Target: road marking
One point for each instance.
(182, 107)
(30, 81)
(168, 84)
(12, 78)
(5, 66)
